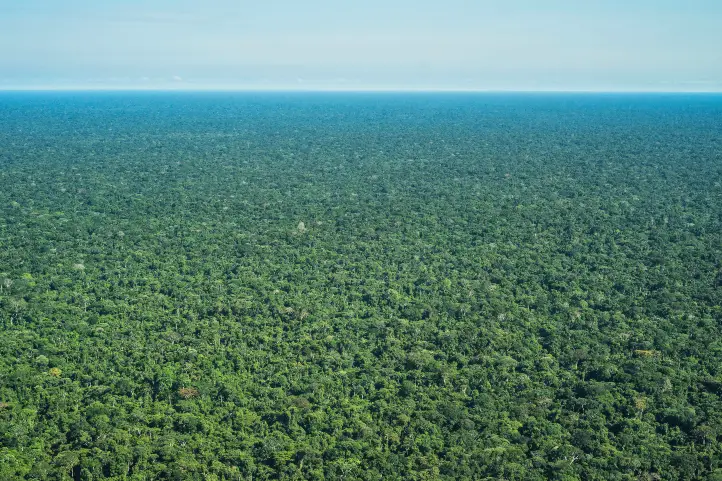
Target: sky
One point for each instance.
(605, 45)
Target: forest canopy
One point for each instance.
(357, 286)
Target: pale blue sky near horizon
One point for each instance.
(613, 45)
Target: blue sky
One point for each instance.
(342, 44)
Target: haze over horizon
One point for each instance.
(325, 45)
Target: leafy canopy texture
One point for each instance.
(360, 287)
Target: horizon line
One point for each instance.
(260, 89)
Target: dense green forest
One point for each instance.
(360, 287)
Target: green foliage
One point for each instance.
(360, 287)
